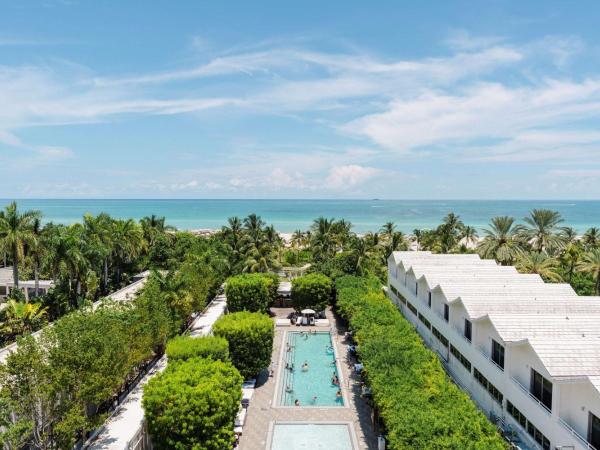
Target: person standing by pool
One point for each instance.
(335, 380)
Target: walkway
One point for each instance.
(261, 413)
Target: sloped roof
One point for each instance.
(561, 327)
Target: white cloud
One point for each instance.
(519, 119)
(343, 177)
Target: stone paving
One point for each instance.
(261, 412)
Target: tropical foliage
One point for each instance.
(186, 347)
(250, 292)
(419, 405)
(250, 336)
(312, 291)
(192, 405)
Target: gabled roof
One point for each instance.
(562, 328)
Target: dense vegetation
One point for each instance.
(419, 404)
(250, 336)
(254, 292)
(312, 291)
(58, 386)
(192, 405)
(182, 348)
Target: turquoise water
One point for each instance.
(316, 381)
(311, 437)
(289, 215)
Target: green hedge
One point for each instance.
(186, 347)
(250, 337)
(311, 291)
(253, 292)
(192, 405)
(419, 404)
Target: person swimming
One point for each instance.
(305, 366)
(338, 395)
(314, 399)
(288, 389)
(335, 380)
(297, 402)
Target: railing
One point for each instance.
(533, 397)
(140, 441)
(489, 358)
(571, 430)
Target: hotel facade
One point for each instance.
(526, 351)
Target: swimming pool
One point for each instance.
(303, 385)
(313, 436)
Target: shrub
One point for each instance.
(186, 347)
(419, 404)
(249, 292)
(311, 291)
(250, 337)
(192, 405)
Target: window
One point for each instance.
(416, 288)
(411, 307)
(594, 431)
(426, 322)
(468, 329)
(3, 290)
(498, 354)
(429, 299)
(446, 313)
(440, 337)
(495, 393)
(459, 356)
(541, 389)
(528, 426)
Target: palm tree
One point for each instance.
(570, 257)
(501, 241)
(540, 263)
(468, 235)
(260, 259)
(98, 232)
(363, 254)
(591, 238)
(15, 233)
(36, 249)
(323, 238)
(388, 229)
(542, 230)
(128, 242)
(154, 226)
(297, 241)
(448, 231)
(23, 317)
(590, 263)
(417, 235)
(253, 225)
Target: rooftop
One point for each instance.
(562, 328)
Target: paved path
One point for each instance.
(261, 413)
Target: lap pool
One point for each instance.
(304, 384)
(311, 436)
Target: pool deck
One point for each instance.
(262, 412)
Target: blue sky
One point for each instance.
(199, 99)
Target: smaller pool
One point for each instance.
(313, 385)
(313, 436)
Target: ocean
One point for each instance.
(290, 215)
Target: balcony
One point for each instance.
(489, 358)
(579, 437)
(533, 397)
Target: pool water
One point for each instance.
(297, 384)
(311, 437)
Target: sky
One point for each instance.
(312, 99)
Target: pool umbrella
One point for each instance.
(308, 311)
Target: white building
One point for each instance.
(27, 286)
(527, 352)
